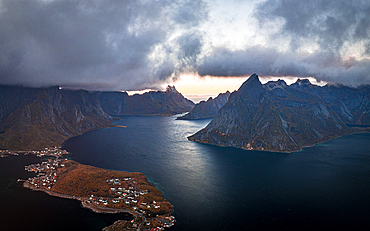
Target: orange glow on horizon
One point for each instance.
(201, 88)
(189, 84)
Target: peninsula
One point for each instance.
(104, 191)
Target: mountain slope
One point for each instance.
(271, 117)
(47, 117)
(206, 109)
(351, 104)
(35, 118)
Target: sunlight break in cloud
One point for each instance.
(136, 45)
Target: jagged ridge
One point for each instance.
(273, 117)
(351, 104)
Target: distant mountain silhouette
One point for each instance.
(277, 117)
(206, 109)
(169, 102)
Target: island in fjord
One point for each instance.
(104, 191)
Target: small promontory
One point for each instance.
(104, 191)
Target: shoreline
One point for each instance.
(356, 131)
(81, 199)
(141, 200)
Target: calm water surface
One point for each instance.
(215, 188)
(22, 209)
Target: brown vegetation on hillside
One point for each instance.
(84, 180)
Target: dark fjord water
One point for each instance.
(215, 188)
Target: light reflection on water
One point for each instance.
(214, 188)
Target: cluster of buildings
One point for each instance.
(46, 173)
(6, 153)
(129, 196)
(51, 151)
(125, 192)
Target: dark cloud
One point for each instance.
(190, 46)
(330, 23)
(133, 45)
(111, 44)
(338, 28)
(324, 65)
(190, 13)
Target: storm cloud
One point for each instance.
(332, 24)
(101, 44)
(326, 66)
(326, 39)
(135, 45)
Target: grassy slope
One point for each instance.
(84, 181)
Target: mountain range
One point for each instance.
(35, 118)
(206, 109)
(271, 116)
(169, 102)
(351, 104)
(278, 117)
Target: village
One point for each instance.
(50, 151)
(46, 173)
(131, 198)
(5, 153)
(122, 194)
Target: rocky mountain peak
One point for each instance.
(281, 119)
(171, 89)
(251, 89)
(252, 81)
(276, 84)
(301, 82)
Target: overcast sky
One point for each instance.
(135, 45)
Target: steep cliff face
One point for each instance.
(169, 102)
(114, 103)
(12, 96)
(351, 104)
(271, 117)
(206, 109)
(35, 118)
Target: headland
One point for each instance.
(104, 191)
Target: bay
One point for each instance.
(217, 188)
(212, 188)
(24, 209)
